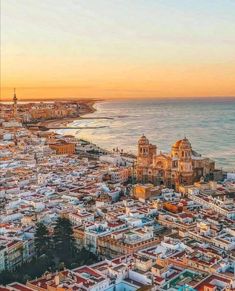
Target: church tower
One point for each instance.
(15, 109)
(146, 151)
(185, 162)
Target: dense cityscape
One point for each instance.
(74, 216)
(117, 156)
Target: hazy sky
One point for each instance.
(118, 48)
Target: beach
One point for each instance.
(62, 122)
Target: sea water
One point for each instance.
(209, 124)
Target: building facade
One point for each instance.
(63, 148)
(181, 166)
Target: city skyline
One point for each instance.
(117, 49)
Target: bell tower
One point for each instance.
(185, 162)
(146, 151)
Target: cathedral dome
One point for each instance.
(143, 140)
(182, 144)
(185, 144)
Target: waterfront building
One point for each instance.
(181, 166)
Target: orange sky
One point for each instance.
(117, 49)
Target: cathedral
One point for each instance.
(181, 166)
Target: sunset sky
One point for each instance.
(117, 48)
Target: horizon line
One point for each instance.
(97, 99)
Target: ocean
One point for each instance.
(209, 124)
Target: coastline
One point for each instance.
(66, 120)
(224, 163)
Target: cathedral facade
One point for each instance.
(182, 166)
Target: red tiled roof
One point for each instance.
(87, 270)
(20, 287)
(208, 282)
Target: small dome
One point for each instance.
(185, 144)
(143, 140)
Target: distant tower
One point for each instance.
(78, 108)
(15, 109)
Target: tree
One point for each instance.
(42, 240)
(64, 242)
(86, 257)
(6, 277)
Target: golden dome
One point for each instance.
(182, 143)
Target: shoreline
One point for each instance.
(89, 109)
(66, 120)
